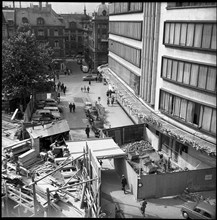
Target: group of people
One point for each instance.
(61, 87)
(84, 89)
(72, 107)
(67, 71)
(110, 100)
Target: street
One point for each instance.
(111, 189)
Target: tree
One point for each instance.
(24, 63)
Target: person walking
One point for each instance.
(143, 206)
(58, 85)
(84, 88)
(89, 82)
(108, 101)
(124, 183)
(88, 89)
(64, 90)
(70, 107)
(87, 131)
(81, 89)
(73, 107)
(112, 101)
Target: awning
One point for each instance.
(151, 118)
(50, 129)
(102, 148)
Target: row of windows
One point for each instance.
(196, 35)
(128, 53)
(40, 21)
(190, 112)
(128, 29)
(125, 74)
(125, 7)
(44, 32)
(191, 4)
(193, 74)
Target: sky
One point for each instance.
(61, 7)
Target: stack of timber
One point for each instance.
(27, 158)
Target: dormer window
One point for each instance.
(56, 33)
(104, 12)
(25, 20)
(40, 21)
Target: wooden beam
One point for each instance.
(48, 202)
(65, 187)
(60, 167)
(34, 197)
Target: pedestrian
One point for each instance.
(143, 206)
(62, 87)
(70, 107)
(73, 107)
(107, 93)
(100, 162)
(81, 89)
(89, 82)
(84, 88)
(64, 90)
(58, 85)
(88, 89)
(87, 131)
(124, 183)
(112, 101)
(96, 78)
(108, 101)
(68, 71)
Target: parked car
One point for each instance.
(51, 102)
(89, 78)
(53, 110)
(198, 210)
(87, 105)
(100, 68)
(92, 112)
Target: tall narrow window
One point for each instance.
(171, 33)
(190, 112)
(213, 122)
(187, 69)
(177, 33)
(202, 77)
(183, 109)
(211, 79)
(198, 35)
(213, 43)
(196, 116)
(206, 118)
(166, 102)
(177, 103)
(194, 74)
(183, 34)
(174, 70)
(164, 69)
(169, 66)
(180, 71)
(190, 35)
(56, 44)
(207, 31)
(167, 31)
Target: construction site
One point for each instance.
(64, 182)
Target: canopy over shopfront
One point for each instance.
(149, 117)
(102, 148)
(50, 129)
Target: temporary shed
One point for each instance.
(50, 129)
(102, 148)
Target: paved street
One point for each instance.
(77, 121)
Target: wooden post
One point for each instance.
(34, 197)
(48, 203)
(6, 199)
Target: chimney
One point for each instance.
(84, 9)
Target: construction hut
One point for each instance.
(45, 135)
